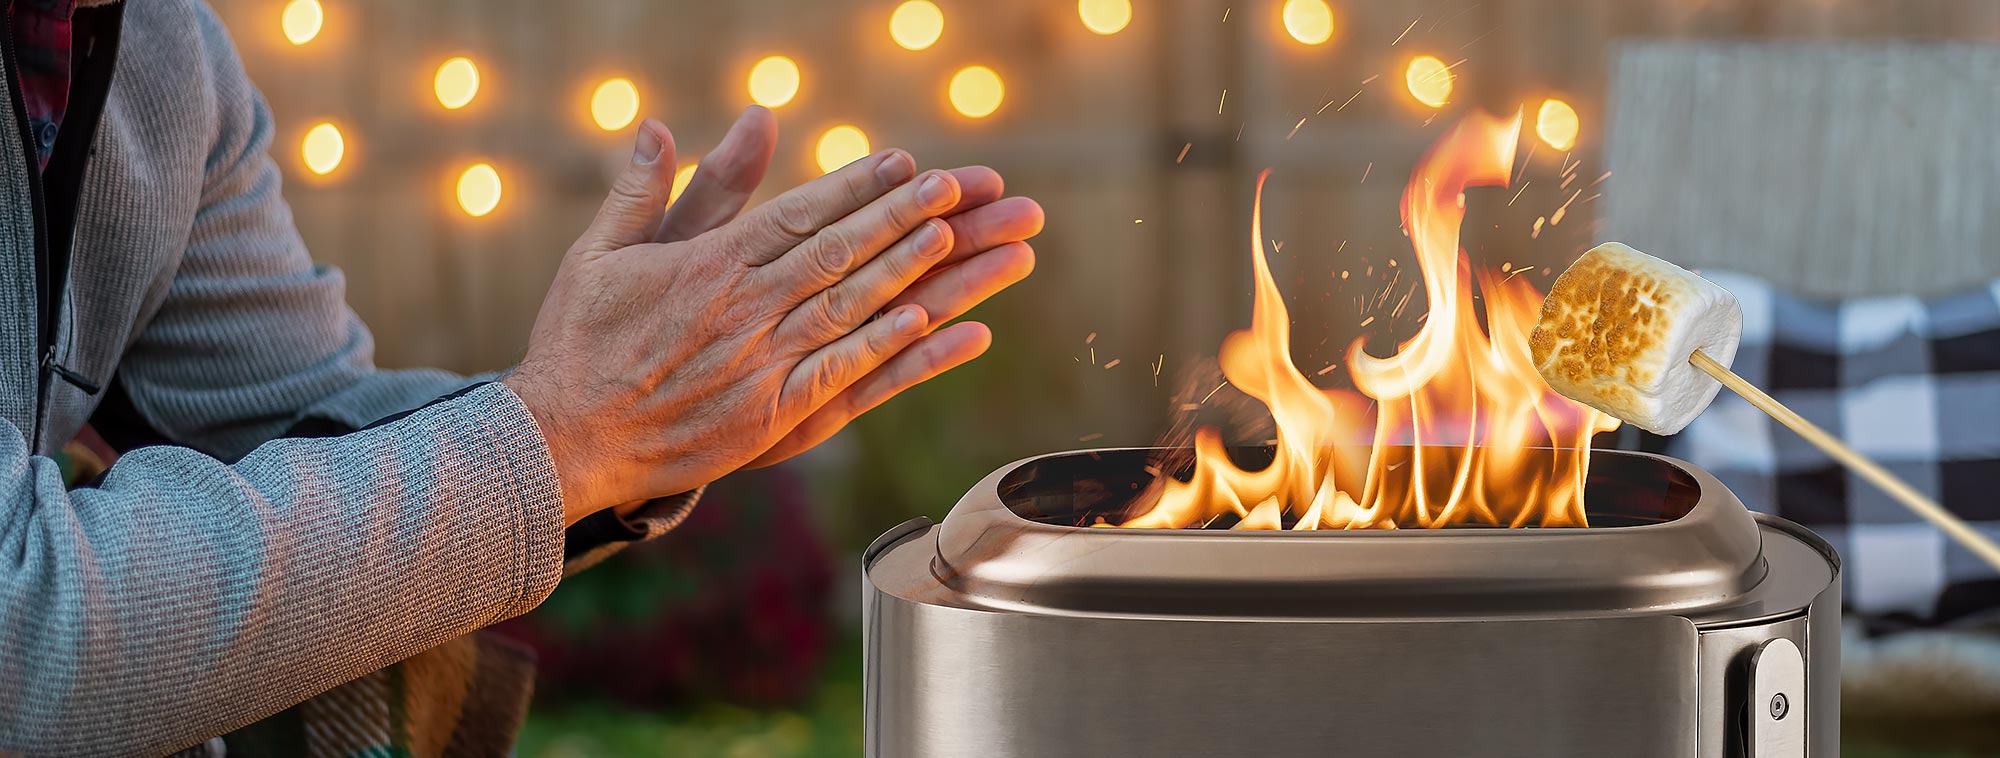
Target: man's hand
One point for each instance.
(679, 345)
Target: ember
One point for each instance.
(1464, 431)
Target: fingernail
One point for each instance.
(895, 168)
(930, 239)
(906, 321)
(648, 149)
(935, 193)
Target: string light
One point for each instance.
(840, 146)
(916, 24)
(681, 179)
(1309, 21)
(976, 91)
(322, 148)
(1429, 80)
(1104, 16)
(614, 104)
(456, 83)
(301, 20)
(1556, 123)
(774, 81)
(479, 190)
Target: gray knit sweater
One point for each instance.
(185, 597)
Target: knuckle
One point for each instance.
(834, 250)
(793, 216)
(832, 373)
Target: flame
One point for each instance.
(1464, 431)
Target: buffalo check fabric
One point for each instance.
(1913, 384)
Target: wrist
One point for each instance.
(574, 477)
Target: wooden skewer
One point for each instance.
(1904, 493)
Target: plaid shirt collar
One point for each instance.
(42, 67)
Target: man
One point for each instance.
(310, 519)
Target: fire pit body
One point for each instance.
(1678, 624)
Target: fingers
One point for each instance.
(977, 186)
(727, 176)
(922, 361)
(632, 211)
(992, 225)
(850, 243)
(838, 309)
(772, 230)
(950, 292)
(831, 369)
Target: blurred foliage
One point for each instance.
(828, 725)
(732, 606)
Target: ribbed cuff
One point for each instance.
(534, 488)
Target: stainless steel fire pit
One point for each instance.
(1679, 624)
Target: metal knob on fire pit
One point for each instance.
(1678, 624)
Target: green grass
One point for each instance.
(827, 726)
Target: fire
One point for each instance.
(1463, 429)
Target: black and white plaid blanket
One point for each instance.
(1913, 384)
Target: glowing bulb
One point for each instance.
(302, 20)
(774, 81)
(976, 91)
(681, 179)
(1309, 21)
(479, 190)
(840, 146)
(614, 104)
(916, 24)
(322, 148)
(1557, 125)
(1429, 81)
(1104, 16)
(457, 81)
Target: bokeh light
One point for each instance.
(1104, 16)
(976, 91)
(840, 146)
(479, 189)
(1556, 123)
(1429, 80)
(322, 148)
(916, 24)
(456, 83)
(681, 179)
(1309, 21)
(614, 104)
(774, 81)
(302, 20)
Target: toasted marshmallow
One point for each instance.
(1616, 332)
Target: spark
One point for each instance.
(1091, 436)
(1566, 181)
(1406, 29)
(1211, 393)
(1565, 207)
(1600, 180)
(1593, 197)
(1156, 369)
(1364, 172)
(1239, 131)
(1295, 129)
(1225, 15)
(1475, 40)
(1517, 193)
(1114, 362)
(1138, 221)
(1184, 151)
(1350, 100)
(1367, 321)
(1448, 19)
(1225, 99)
(1530, 157)
(1343, 275)
(1190, 406)
(1092, 337)
(1329, 368)
(1370, 79)
(1343, 246)
(1538, 228)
